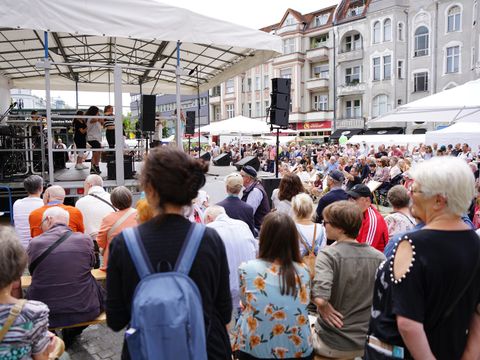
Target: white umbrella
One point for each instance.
(238, 125)
(462, 132)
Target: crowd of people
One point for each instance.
(314, 269)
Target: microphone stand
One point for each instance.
(5, 114)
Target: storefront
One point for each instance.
(313, 129)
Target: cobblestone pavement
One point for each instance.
(97, 342)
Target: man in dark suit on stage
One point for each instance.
(234, 207)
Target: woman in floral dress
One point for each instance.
(274, 291)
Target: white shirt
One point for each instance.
(93, 209)
(21, 211)
(306, 232)
(283, 206)
(240, 246)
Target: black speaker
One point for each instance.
(190, 126)
(147, 113)
(248, 160)
(128, 168)
(279, 117)
(222, 159)
(270, 184)
(280, 101)
(206, 156)
(282, 86)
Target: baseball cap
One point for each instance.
(337, 175)
(359, 190)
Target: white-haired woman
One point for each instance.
(312, 235)
(427, 295)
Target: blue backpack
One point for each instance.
(167, 314)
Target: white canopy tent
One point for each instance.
(237, 125)
(139, 35)
(390, 139)
(461, 132)
(461, 103)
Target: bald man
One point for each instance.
(54, 196)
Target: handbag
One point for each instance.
(309, 259)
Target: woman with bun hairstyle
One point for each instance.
(171, 180)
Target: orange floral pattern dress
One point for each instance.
(272, 325)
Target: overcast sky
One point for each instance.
(251, 13)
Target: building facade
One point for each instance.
(359, 60)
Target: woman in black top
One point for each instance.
(80, 139)
(426, 302)
(171, 180)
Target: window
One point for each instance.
(230, 88)
(258, 85)
(352, 75)
(288, 46)
(258, 109)
(249, 107)
(289, 21)
(216, 91)
(230, 111)
(353, 42)
(421, 41)
(320, 102)
(387, 30)
(353, 109)
(453, 59)
(266, 82)
(376, 32)
(474, 15)
(320, 71)
(286, 73)
(380, 105)
(400, 32)
(319, 41)
(420, 82)
(216, 112)
(249, 84)
(400, 69)
(454, 18)
(387, 67)
(376, 68)
(321, 20)
(265, 105)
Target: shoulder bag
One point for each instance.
(38, 260)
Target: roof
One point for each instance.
(140, 36)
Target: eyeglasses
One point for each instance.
(41, 223)
(412, 191)
(325, 222)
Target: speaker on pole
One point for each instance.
(280, 102)
(190, 125)
(147, 113)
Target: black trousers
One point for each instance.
(110, 134)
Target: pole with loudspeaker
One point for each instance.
(190, 127)
(279, 110)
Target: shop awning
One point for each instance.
(384, 131)
(347, 132)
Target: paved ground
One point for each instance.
(95, 343)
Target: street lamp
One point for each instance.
(195, 69)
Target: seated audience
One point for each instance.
(290, 185)
(343, 285)
(234, 207)
(94, 205)
(240, 245)
(274, 291)
(115, 222)
(22, 208)
(400, 220)
(374, 230)
(62, 278)
(26, 336)
(55, 196)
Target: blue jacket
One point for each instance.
(240, 210)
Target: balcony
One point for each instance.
(317, 84)
(215, 99)
(287, 58)
(350, 55)
(357, 123)
(315, 115)
(318, 54)
(354, 88)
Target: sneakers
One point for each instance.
(95, 170)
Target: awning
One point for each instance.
(347, 132)
(141, 36)
(384, 131)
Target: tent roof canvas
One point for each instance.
(462, 132)
(236, 125)
(140, 35)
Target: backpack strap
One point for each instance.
(189, 248)
(137, 252)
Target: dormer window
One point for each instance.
(289, 21)
(321, 20)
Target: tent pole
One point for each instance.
(119, 163)
(51, 178)
(76, 93)
(178, 129)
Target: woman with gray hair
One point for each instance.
(426, 302)
(24, 324)
(114, 223)
(400, 220)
